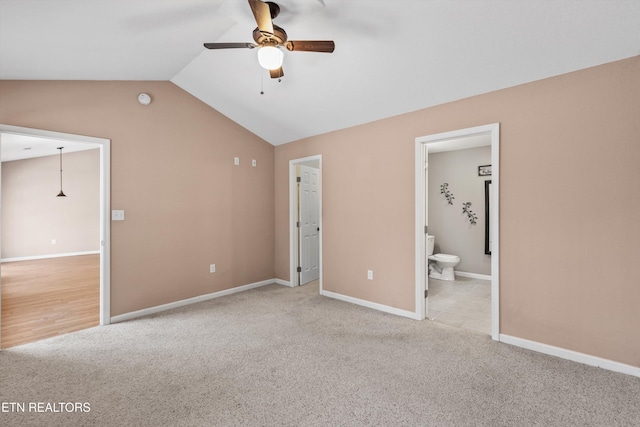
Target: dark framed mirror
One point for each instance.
(487, 217)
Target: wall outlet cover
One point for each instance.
(117, 215)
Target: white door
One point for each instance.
(309, 225)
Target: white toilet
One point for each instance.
(440, 265)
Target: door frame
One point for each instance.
(293, 229)
(105, 192)
(420, 203)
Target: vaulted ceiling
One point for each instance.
(391, 57)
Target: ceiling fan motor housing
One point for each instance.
(279, 37)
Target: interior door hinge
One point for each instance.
(425, 229)
(299, 269)
(298, 224)
(426, 293)
(298, 179)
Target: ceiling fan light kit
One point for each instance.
(269, 38)
(270, 57)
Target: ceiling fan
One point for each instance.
(269, 38)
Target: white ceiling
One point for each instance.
(18, 147)
(391, 57)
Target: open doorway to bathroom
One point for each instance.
(457, 217)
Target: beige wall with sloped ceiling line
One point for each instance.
(569, 204)
(186, 204)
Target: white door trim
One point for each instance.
(420, 243)
(105, 192)
(293, 203)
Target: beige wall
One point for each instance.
(569, 203)
(32, 215)
(569, 163)
(453, 232)
(186, 205)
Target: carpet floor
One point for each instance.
(277, 356)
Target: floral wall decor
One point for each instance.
(444, 189)
(471, 216)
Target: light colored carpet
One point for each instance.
(277, 356)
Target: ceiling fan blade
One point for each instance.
(326, 46)
(277, 73)
(262, 13)
(229, 45)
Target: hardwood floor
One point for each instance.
(48, 297)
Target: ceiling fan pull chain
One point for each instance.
(261, 83)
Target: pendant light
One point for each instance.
(61, 194)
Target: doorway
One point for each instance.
(423, 144)
(305, 225)
(8, 132)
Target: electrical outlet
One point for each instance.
(212, 268)
(236, 161)
(254, 163)
(370, 274)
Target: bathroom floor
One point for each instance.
(463, 303)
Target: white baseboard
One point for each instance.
(283, 283)
(188, 301)
(575, 356)
(369, 304)
(472, 275)
(29, 258)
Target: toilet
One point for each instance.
(440, 265)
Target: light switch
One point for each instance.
(254, 163)
(236, 161)
(117, 215)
